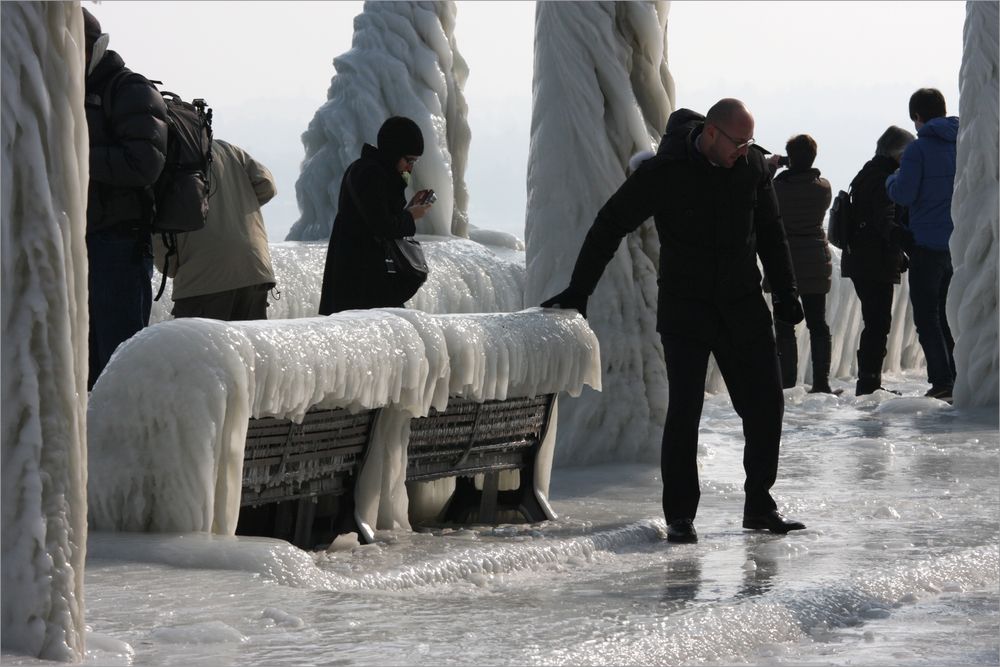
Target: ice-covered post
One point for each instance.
(601, 92)
(44, 330)
(404, 61)
(972, 299)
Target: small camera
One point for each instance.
(782, 160)
(429, 198)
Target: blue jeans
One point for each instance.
(930, 276)
(120, 267)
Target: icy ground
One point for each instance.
(899, 566)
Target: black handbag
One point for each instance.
(405, 267)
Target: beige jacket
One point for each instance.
(231, 250)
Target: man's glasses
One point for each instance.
(411, 160)
(739, 146)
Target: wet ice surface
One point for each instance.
(899, 566)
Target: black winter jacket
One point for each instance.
(804, 197)
(874, 253)
(128, 146)
(712, 223)
(371, 206)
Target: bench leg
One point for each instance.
(488, 498)
(465, 497)
(304, 517)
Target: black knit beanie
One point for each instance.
(91, 28)
(400, 136)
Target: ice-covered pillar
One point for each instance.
(403, 61)
(972, 299)
(44, 331)
(601, 93)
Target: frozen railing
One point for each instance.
(168, 420)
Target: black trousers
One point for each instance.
(814, 307)
(876, 314)
(749, 366)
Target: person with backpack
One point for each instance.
(874, 259)
(223, 271)
(803, 197)
(372, 211)
(710, 194)
(128, 147)
(924, 183)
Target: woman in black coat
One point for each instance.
(804, 196)
(874, 259)
(372, 207)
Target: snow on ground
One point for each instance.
(898, 565)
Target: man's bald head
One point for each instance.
(726, 111)
(728, 132)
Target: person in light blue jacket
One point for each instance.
(924, 183)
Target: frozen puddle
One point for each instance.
(558, 593)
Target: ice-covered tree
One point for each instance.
(972, 299)
(44, 331)
(403, 61)
(602, 92)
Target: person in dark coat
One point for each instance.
(874, 259)
(372, 206)
(804, 197)
(128, 146)
(710, 194)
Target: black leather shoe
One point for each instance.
(681, 530)
(942, 393)
(771, 521)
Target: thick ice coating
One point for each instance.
(168, 418)
(404, 61)
(465, 277)
(972, 298)
(44, 331)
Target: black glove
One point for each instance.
(787, 308)
(568, 298)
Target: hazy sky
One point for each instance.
(840, 71)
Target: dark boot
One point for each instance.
(870, 373)
(821, 345)
(868, 383)
(788, 353)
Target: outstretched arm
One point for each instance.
(632, 204)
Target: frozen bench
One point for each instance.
(470, 439)
(228, 422)
(290, 468)
(299, 479)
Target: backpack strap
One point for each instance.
(170, 243)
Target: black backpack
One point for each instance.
(178, 200)
(843, 220)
